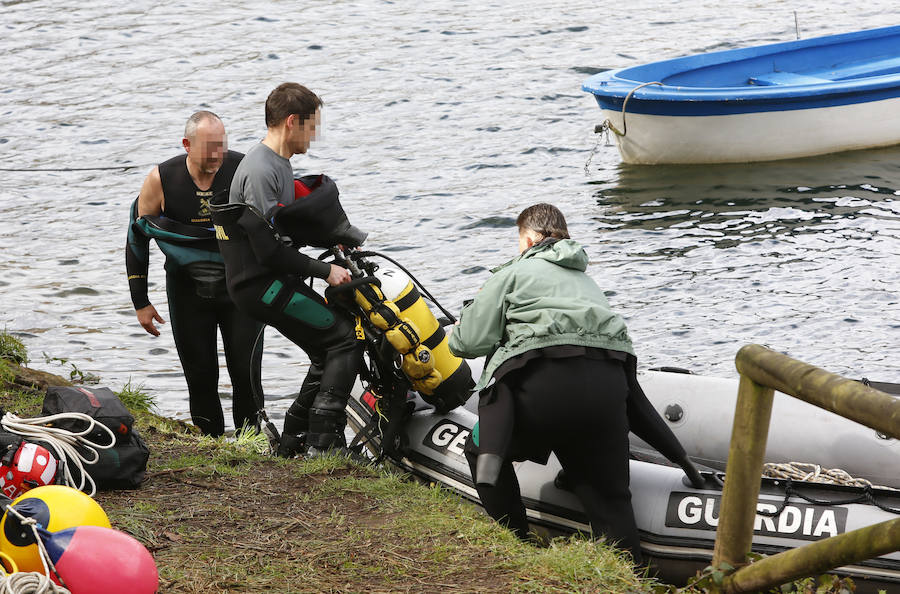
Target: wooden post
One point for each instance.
(817, 557)
(749, 433)
(763, 371)
(842, 396)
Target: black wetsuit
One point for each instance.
(584, 423)
(265, 279)
(198, 298)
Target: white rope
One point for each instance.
(64, 443)
(804, 471)
(29, 582)
(32, 524)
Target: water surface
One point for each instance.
(443, 120)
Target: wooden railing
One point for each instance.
(762, 372)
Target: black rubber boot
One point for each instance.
(296, 423)
(291, 445)
(327, 420)
(296, 420)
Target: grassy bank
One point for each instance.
(222, 516)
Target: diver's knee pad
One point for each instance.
(330, 399)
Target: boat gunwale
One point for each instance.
(612, 86)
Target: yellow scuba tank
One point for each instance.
(441, 378)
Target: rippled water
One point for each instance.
(443, 120)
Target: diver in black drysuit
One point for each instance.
(266, 280)
(197, 294)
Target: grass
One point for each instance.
(12, 349)
(136, 399)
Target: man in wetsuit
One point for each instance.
(178, 192)
(265, 276)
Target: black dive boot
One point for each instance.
(327, 421)
(296, 420)
(291, 445)
(293, 438)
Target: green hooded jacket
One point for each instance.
(539, 299)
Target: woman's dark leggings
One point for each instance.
(194, 322)
(576, 407)
(328, 336)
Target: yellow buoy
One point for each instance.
(54, 507)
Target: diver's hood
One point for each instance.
(318, 219)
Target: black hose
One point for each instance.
(265, 425)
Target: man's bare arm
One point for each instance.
(151, 200)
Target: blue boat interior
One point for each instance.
(814, 61)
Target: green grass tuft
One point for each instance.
(250, 441)
(12, 349)
(136, 399)
(325, 464)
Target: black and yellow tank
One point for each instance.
(397, 308)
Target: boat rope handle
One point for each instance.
(608, 125)
(867, 496)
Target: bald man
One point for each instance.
(175, 197)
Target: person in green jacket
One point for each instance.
(555, 379)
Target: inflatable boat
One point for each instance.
(677, 522)
(700, 412)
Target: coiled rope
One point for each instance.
(65, 444)
(802, 471)
(812, 473)
(29, 582)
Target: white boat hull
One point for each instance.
(760, 136)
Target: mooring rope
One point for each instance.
(608, 124)
(64, 443)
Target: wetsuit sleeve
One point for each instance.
(274, 254)
(137, 261)
(482, 323)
